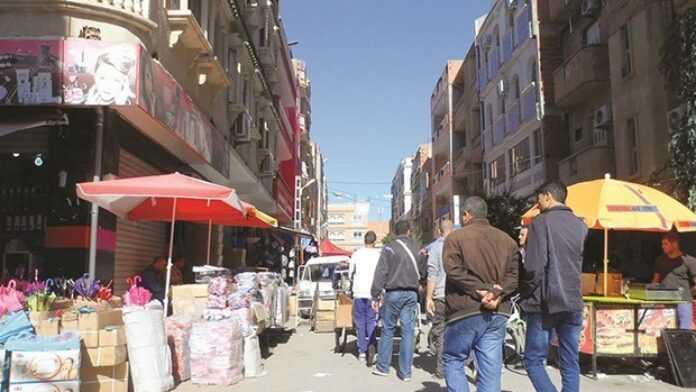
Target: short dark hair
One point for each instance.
(402, 228)
(370, 237)
(671, 237)
(556, 189)
(476, 206)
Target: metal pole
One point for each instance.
(210, 230)
(169, 260)
(94, 214)
(606, 259)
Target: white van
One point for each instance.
(321, 273)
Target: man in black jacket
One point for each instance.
(395, 287)
(551, 288)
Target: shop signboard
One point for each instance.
(30, 71)
(614, 331)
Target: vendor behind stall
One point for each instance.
(154, 277)
(676, 270)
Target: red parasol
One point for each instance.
(328, 248)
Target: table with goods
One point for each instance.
(63, 335)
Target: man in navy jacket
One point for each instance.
(551, 288)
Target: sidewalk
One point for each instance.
(307, 363)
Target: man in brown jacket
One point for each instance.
(482, 266)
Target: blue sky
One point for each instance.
(373, 65)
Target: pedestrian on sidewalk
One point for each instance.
(551, 286)
(363, 264)
(482, 267)
(395, 287)
(435, 292)
(676, 270)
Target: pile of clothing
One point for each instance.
(178, 329)
(216, 352)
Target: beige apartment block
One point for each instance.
(348, 223)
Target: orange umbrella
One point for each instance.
(610, 204)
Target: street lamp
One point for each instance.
(298, 200)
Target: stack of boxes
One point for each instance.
(190, 299)
(324, 315)
(37, 365)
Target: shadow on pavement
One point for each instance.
(429, 386)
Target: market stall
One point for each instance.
(623, 319)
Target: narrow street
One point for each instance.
(307, 363)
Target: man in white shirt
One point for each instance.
(362, 270)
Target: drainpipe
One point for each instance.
(94, 215)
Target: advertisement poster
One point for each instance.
(614, 331)
(653, 321)
(99, 73)
(162, 97)
(30, 71)
(586, 342)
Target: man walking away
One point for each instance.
(482, 269)
(435, 295)
(552, 295)
(362, 269)
(675, 270)
(396, 285)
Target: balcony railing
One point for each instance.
(582, 75)
(591, 162)
(513, 116)
(530, 104)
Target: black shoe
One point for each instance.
(371, 353)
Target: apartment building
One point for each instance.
(95, 88)
(515, 59)
(444, 142)
(421, 207)
(348, 223)
(614, 97)
(401, 192)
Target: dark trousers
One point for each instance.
(365, 323)
(438, 331)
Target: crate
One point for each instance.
(344, 312)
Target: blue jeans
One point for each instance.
(568, 326)
(685, 316)
(398, 305)
(365, 322)
(484, 334)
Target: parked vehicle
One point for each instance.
(320, 273)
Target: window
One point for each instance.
(497, 170)
(538, 147)
(501, 99)
(232, 63)
(357, 218)
(627, 67)
(578, 135)
(511, 25)
(533, 73)
(520, 158)
(516, 87)
(483, 116)
(632, 135)
(591, 36)
(357, 234)
(489, 113)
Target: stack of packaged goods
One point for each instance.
(178, 336)
(190, 299)
(39, 363)
(216, 352)
(148, 350)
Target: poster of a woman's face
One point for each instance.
(111, 82)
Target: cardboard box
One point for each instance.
(323, 326)
(104, 356)
(112, 336)
(292, 305)
(324, 315)
(589, 283)
(62, 304)
(323, 304)
(105, 379)
(614, 285)
(189, 298)
(63, 386)
(50, 327)
(344, 312)
(90, 339)
(43, 366)
(99, 320)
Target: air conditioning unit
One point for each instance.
(676, 118)
(589, 7)
(602, 117)
(242, 128)
(502, 87)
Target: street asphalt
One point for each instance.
(306, 362)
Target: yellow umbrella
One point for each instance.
(618, 205)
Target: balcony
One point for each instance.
(438, 101)
(441, 141)
(467, 161)
(581, 76)
(211, 71)
(589, 163)
(512, 119)
(523, 26)
(531, 110)
(442, 181)
(126, 13)
(561, 10)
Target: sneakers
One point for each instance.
(362, 358)
(380, 373)
(406, 379)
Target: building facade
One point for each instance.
(348, 223)
(421, 209)
(381, 229)
(101, 89)
(401, 201)
(521, 132)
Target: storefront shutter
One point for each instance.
(137, 243)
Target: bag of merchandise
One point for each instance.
(148, 351)
(216, 353)
(253, 367)
(14, 324)
(178, 335)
